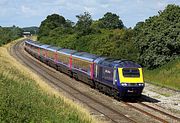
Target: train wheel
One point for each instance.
(70, 73)
(92, 83)
(56, 67)
(75, 76)
(59, 69)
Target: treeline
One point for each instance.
(151, 43)
(33, 30)
(8, 34)
(103, 37)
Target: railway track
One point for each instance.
(160, 111)
(52, 76)
(153, 112)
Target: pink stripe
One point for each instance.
(70, 62)
(92, 70)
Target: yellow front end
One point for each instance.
(131, 82)
(124, 79)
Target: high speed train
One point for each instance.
(118, 78)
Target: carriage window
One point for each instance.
(63, 58)
(81, 64)
(50, 54)
(131, 72)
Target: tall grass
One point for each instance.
(167, 75)
(22, 99)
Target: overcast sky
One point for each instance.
(25, 13)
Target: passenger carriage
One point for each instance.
(65, 61)
(83, 67)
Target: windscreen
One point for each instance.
(131, 72)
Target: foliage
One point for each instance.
(83, 25)
(51, 22)
(158, 38)
(115, 43)
(8, 34)
(55, 25)
(33, 30)
(110, 21)
(151, 43)
(87, 36)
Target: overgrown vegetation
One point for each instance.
(8, 34)
(166, 75)
(152, 43)
(158, 38)
(22, 100)
(90, 36)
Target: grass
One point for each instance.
(34, 37)
(166, 76)
(25, 97)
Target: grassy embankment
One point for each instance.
(25, 100)
(166, 76)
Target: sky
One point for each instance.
(25, 13)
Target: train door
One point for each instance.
(98, 72)
(107, 75)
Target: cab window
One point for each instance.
(131, 72)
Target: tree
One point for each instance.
(51, 22)
(83, 25)
(8, 34)
(69, 23)
(55, 20)
(111, 21)
(158, 37)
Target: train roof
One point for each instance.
(45, 46)
(66, 51)
(34, 43)
(85, 56)
(53, 48)
(105, 61)
(37, 43)
(110, 62)
(128, 64)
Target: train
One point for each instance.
(114, 77)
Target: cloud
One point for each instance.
(28, 11)
(131, 12)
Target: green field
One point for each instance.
(166, 76)
(23, 100)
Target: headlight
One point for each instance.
(141, 84)
(124, 84)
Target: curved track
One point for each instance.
(56, 80)
(53, 78)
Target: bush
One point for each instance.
(8, 34)
(158, 38)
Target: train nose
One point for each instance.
(131, 90)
